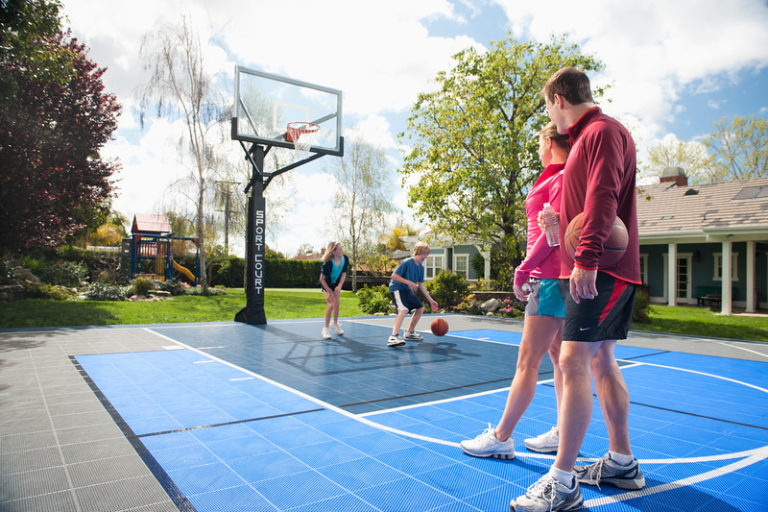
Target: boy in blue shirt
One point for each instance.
(406, 280)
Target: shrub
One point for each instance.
(511, 308)
(65, 273)
(102, 291)
(174, 287)
(49, 291)
(142, 286)
(199, 290)
(374, 299)
(642, 306)
(448, 289)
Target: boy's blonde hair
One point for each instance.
(420, 248)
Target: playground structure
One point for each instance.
(152, 239)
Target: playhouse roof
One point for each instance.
(151, 223)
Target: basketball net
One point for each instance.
(303, 135)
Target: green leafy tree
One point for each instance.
(28, 31)
(740, 147)
(475, 146)
(692, 156)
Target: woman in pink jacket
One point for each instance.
(535, 282)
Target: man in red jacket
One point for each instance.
(598, 179)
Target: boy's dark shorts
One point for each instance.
(405, 300)
(606, 317)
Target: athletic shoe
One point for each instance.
(608, 471)
(549, 495)
(487, 445)
(395, 341)
(338, 329)
(544, 443)
(326, 333)
(412, 336)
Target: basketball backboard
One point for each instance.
(266, 103)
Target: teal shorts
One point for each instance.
(545, 299)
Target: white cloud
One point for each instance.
(652, 49)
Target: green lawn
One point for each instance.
(309, 303)
(703, 322)
(278, 304)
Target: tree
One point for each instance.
(475, 142)
(53, 181)
(740, 147)
(691, 156)
(179, 85)
(28, 32)
(392, 241)
(361, 200)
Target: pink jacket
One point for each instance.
(541, 260)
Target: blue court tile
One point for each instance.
(325, 454)
(406, 494)
(512, 338)
(266, 465)
(298, 489)
(296, 437)
(361, 473)
(460, 481)
(415, 460)
(457, 507)
(346, 503)
(253, 445)
(223, 432)
(188, 456)
(175, 440)
(379, 442)
(202, 479)
(236, 499)
(344, 427)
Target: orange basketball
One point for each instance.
(439, 326)
(614, 247)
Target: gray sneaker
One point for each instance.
(412, 336)
(544, 443)
(487, 445)
(395, 341)
(549, 495)
(607, 471)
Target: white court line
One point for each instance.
(730, 345)
(759, 455)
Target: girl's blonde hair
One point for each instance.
(329, 250)
(560, 139)
(420, 248)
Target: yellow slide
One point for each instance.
(185, 271)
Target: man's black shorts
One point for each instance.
(606, 317)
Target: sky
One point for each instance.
(674, 68)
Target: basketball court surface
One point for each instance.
(236, 417)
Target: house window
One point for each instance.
(432, 265)
(644, 268)
(461, 264)
(718, 276)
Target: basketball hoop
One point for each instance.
(302, 134)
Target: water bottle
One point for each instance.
(549, 215)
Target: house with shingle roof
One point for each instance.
(688, 234)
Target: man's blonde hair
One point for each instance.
(420, 248)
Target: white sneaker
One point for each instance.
(549, 495)
(487, 445)
(544, 443)
(338, 329)
(326, 333)
(395, 341)
(412, 336)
